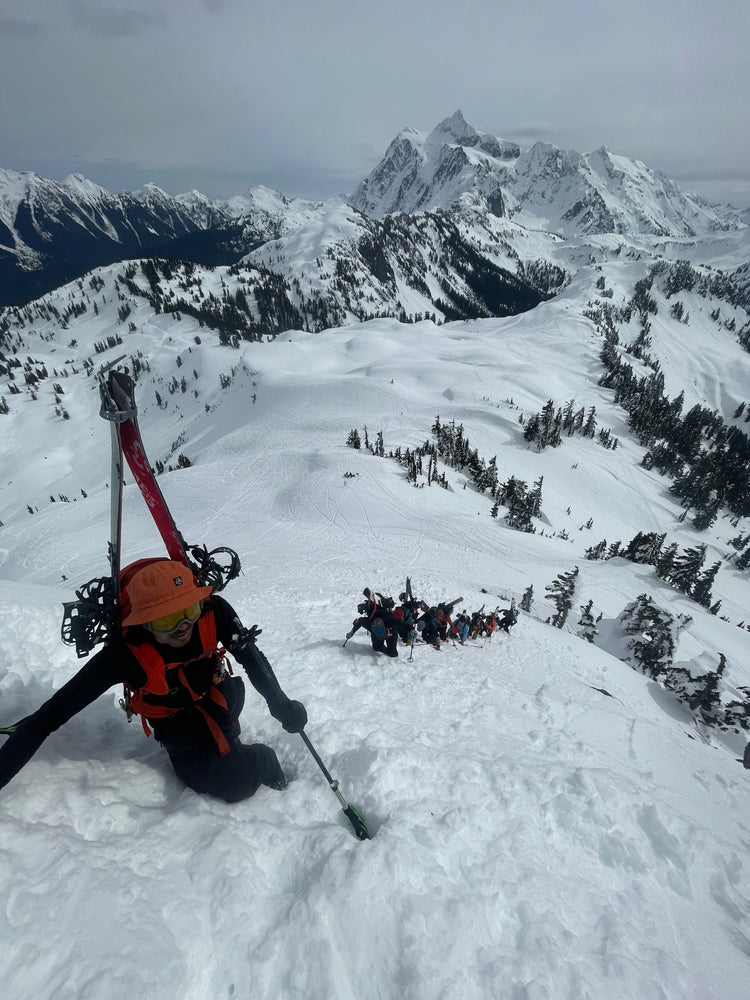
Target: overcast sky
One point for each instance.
(305, 95)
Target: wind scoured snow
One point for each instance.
(547, 824)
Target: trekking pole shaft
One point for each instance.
(357, 821)
(316, 757)
(354, 817)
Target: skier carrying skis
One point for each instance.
(383, 624)
(175, 675)
(462, 627)
(444, 623)
(508, 619)
(429, 627)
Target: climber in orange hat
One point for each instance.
(170, 656)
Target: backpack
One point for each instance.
(378, 628)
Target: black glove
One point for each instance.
(292, 716)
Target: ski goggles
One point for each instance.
(168, 624)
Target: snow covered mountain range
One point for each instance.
(541, 187)
(467, 201)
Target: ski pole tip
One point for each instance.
(358, 824)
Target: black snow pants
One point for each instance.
(233, 777)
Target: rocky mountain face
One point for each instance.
(454, 167)
(51, 233)
(452, 223)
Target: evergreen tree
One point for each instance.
(551, 426)
(644, 548)
(702, 589)
(487, 477)
(560, 592)
(511, 492)
(588, 623)
(653, 631)
(598, 551)
(519, 509)
(527, 599)
(535, 499)
(665, 562)
(707, 699)
(568, 418)
(532, 430)
(589, 428)
(686, 569)
(354, 440)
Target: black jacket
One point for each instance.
(115, 664)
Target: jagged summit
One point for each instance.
(432, 170)
(563, 191)
(454, 129)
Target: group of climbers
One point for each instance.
(384, 622)
(413, 621)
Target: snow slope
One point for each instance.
(546, 822)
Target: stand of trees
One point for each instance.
(682, 570)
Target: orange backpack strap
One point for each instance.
(207, 627)
(156, 683)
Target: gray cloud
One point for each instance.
(305, 97)
(18, 26)
(530, 132)
(116, 20)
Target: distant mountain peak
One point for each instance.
(454, 129)
(455, 167)
(78, 185)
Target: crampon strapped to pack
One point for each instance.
(95, 616)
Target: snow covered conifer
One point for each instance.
(560, 592)
(654, 633)
(702, 589)
(587, 623)
(708, 698)
(685, 572)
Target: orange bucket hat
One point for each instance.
(161, 588)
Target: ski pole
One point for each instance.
(353, 815)
(245, 640)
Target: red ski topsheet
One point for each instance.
(136, 458)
